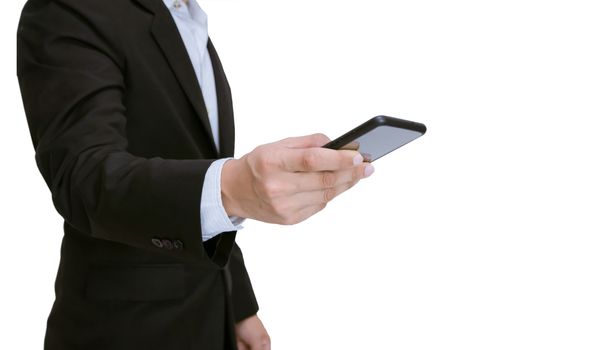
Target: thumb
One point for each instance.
(314, 140)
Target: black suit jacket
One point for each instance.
(123, 141)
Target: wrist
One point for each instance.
(230, 187)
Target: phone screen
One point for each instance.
(381, 141)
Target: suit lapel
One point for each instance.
(167, 36)
(225, 106)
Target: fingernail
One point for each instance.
(358, 159)
(369, 170)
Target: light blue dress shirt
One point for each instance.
(192, 23)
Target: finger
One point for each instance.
(261, 346)
(307, 212)
(319, 159)
(241, 345)
(315, 181)
(252, 334)
(313, 198)
(314, 140)
(260, 342)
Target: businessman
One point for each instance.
(131, 118)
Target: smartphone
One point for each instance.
(378, 137)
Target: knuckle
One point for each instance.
(287, 219)
(329, 194)
(265, 163)
(309, 159)
(268, 190)
(264, 340)
(283, 163)
(321, 138)
(272, 189)
(296, 220)
(264, 160)
(284, 214)
(328, 179)
(278, 208)
(282, 221)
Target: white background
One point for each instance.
(490, 232)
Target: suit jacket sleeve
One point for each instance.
(70, 72)
(242, 295)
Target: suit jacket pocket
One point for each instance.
(142, 283)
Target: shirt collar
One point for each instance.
(170, 3)
(191, 10)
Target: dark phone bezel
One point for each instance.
(370, 125)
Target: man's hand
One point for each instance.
(288, 181)
(251, 335)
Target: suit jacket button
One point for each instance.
(178, 245)
(167, 244)
(157, 242)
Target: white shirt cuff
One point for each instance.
(214, 218)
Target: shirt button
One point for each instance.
(157, 242)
